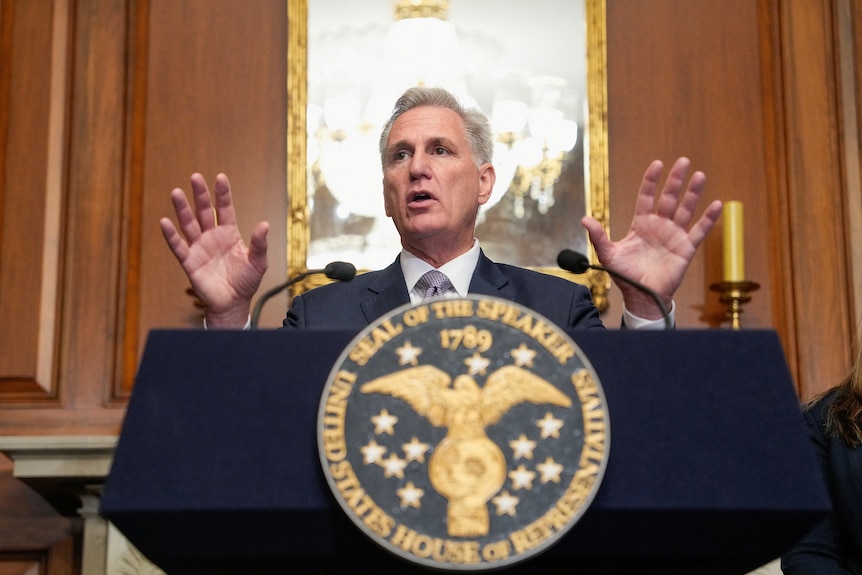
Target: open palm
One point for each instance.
(224, 272)
(661, 242)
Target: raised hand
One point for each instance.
(223, 271)
(661, 241)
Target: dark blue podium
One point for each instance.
(710, 468)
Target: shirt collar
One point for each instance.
(459, 271)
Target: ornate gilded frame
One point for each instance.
(597, 200)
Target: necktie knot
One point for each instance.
(434, 284)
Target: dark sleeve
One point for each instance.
(583, 313)
(295, 318)
(817, 553)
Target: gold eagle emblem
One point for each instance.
(466, 468)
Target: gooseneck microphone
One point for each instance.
(578, 263)
(341, 271)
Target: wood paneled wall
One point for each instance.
(105, 105)
(749, 90)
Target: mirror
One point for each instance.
(536, 68)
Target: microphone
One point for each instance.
(341, 271)
(578, 263)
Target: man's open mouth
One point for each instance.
(420, 196)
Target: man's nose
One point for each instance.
(419, 165)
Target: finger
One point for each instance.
(645, 203)
(668, 201)
(225, 212)
(186, 219)
(700, 229)
(203, 203)
(178, 245)
(688, 204)
(257, 247)
(600, 240)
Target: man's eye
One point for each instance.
(441, 151)
(399, 155)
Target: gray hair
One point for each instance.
(477, 128)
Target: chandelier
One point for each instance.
(352, 91)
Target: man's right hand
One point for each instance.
(223, 271)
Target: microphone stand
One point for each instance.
(340, 271)
(258, 306)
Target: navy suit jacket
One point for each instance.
(355, 304)
(834, 547)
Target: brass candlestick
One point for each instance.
(734, 295)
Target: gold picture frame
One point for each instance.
(596, 188)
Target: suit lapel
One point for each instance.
(489, 280)
(387, 292)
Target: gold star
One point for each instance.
(408, 354)
(411, 496)
(384, 422)
(550, 470)
(372, 452)
(523, 356)
(522, 447)
(550, 426)
(415, 450)
(477, 364)
(522, 478)
(506, 503)
(393, 466)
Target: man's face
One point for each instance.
(432, 187)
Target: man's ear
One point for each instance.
(487, 178)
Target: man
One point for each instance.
(437, 172)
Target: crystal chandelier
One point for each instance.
(535, 140)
